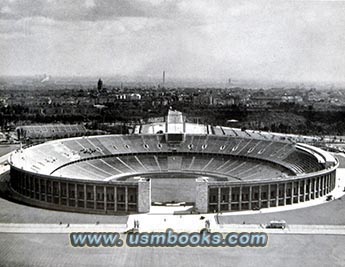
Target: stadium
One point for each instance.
(171, 162)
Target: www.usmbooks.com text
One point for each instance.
(169, 238)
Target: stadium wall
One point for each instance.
(230, 196)
(80, 195)
(134, 195)
(122, 197)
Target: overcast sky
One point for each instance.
(278, 40)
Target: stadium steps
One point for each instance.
(174, 162)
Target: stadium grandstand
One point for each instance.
(213, 168)
(50, 131)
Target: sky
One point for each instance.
(190, 39)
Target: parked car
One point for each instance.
(277, 224)
(329, 198)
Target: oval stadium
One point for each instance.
(214, 169)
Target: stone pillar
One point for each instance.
(67, 194)
(219, 199)
(105, 198)
(230, 199)
(34, 186)
(39, 189)
(320, 187)
(144, 195)
(94, 197)
(269, 195)
(75, 195)
(46, 187)
(240, 199)
(126, 198)
(333, 180)
(328, 184)
(201, 201)
(304, 189)
(29, 189)
(324, 185)
(85, 194)
(250, 197)
(115, 198)
(284, 201)
(60, 193)
(277, 195)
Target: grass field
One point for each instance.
(167, 190)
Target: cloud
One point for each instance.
(84, 10)
(288, 40)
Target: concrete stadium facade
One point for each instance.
(231, 170)
(80, 196)
(224, 197)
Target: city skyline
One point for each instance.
(292, 41)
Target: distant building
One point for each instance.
(227, 100)
(265, 100)
(100, 85)
(128, 97)
(292, 99)
(202, 99)
(135, 97)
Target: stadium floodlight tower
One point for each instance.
(175, 127)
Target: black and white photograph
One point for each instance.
(172, 133)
